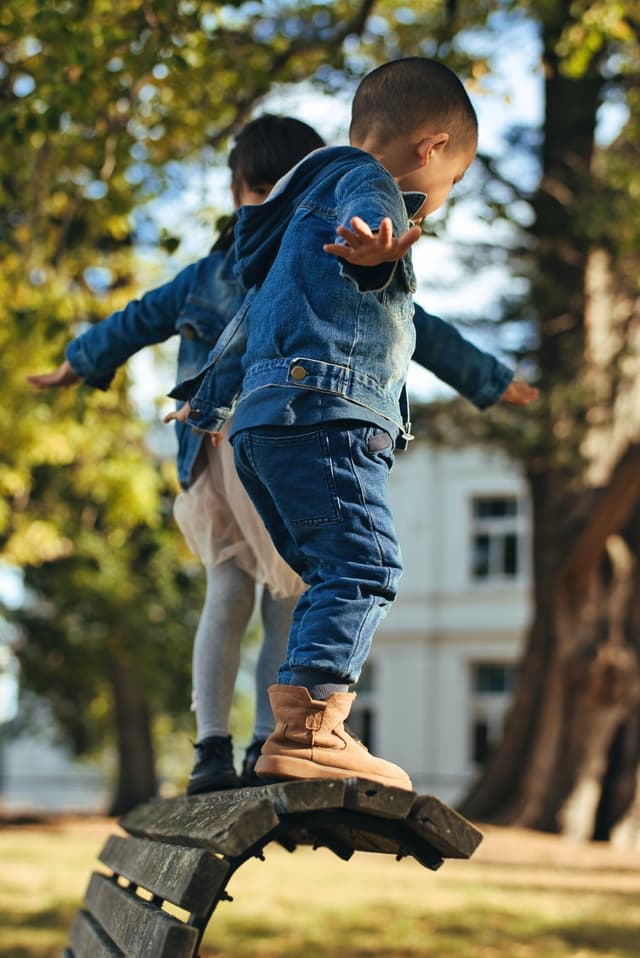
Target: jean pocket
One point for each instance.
(299, 473)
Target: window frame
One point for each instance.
(498, 528)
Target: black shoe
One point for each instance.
(213, 770)
(248, 775)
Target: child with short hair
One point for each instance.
(214, 512)
(319, 355)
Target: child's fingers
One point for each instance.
(385, 232)
(519, 393)
(408, 239)
(351, 238)
(361, 233)
(40, 380)
(526, 393)
(383, 237)
(363, 246)
(530, 395)
(45, 380)
(62, 376)
(181, 414)
(361, 228)
(337, 249)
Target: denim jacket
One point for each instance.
(196, 305)
(312, 321)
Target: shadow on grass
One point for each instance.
(621, 895)
(36, 934)
(611, 939)
(391, 934)
(383, 932)
(30, 951)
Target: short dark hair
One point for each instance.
(263, 151)
(401, 95)
(267, 147)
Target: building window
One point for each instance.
(362, 719)
(493, 678)
(492, 685)
(497, 538)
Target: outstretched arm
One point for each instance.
(96, 354)
(477, 375)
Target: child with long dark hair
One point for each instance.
(214, 512)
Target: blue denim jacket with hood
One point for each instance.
(196, 305)
(202, 304)
(312, 322)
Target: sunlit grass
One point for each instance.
(521, 896)
(312, 905)
(43, 876)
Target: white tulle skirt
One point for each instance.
(220, 522)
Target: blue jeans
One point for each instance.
(321, 493)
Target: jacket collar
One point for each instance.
(413, 201)
(259, 229)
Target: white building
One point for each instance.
(439, 679)
(436, 687)
(39, 775)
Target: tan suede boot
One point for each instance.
(310, 741)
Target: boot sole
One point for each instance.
(280, 767)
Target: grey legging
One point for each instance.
(227, 609)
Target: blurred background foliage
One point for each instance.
(99, 103)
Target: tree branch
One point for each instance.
(612, 509)
(355, 25)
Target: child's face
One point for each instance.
(245, 195)
(437, 176)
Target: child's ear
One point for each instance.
(429, 145)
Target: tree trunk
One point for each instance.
(568, 759)
(618, 816)
(136, 765)
(572, 733)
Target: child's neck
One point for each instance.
(392, 154)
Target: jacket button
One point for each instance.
(298, 373)
(188, 331)
(194, 414)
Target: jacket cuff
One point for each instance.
(205, 417)
(494, 386)
(80, 362)
(368, 279)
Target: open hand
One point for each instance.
(178, 415)
(519, 393)
(363, 247)
(182, 414)
(62, 376)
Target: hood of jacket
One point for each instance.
(259, 229)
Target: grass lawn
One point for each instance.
(522, 895)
